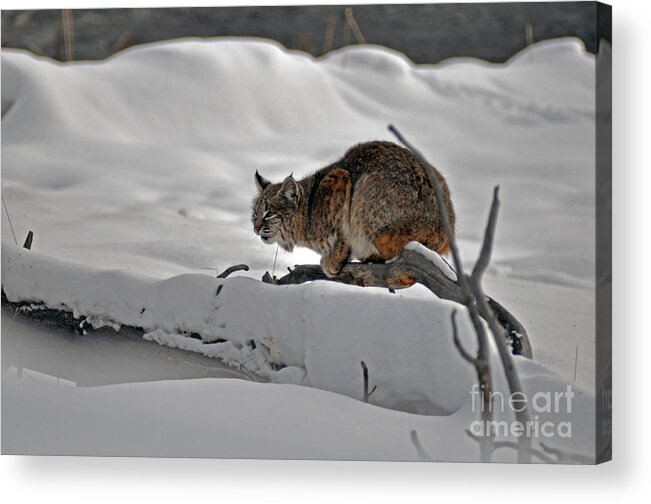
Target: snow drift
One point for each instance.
(158, 145)
(318, 333)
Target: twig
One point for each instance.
(499, 337)
(28, 241)
(576, 360)
(482, 362)
(122, 42)
(352, 22)
(11, 226)
(346, 33)
(233, 269)
(21, 20)
(422, 453)
(566, 457)
(68, 33)
(267, 278)
(528, 33)
(442, 208)
(497, 330)
(35, 48)
(489, 237)
(545, 455)
(367, 394)
(329, 37)
(496, 445)
(304, 44)
(475, 300)
(273, 269)
(455, 336)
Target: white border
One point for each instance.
(104, 480)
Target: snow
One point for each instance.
(435, 258)
(205, 416)
(321, 330)
(159, 145)
(136, 176)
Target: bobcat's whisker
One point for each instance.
(273, 270)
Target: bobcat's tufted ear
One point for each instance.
(260, 181)
(290, 189)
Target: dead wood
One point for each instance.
(233, 269)
(367, 394)
(476, 302)
(409, 268)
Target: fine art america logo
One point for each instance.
(545, 404)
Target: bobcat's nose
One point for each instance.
(257, 227)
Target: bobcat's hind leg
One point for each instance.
(389, 245)
(336, 259)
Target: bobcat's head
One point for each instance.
(275, 210)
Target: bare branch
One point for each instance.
(11, 225)
(564, 457)
(510, 371)
(496, 445)
(474, 298)
(365, 374)
(408, 268)
(29, 240)
(457, 342)
(329, 35)
(548, 454)
(233, 269)
(442, 208)
(352, 22)
(422, 453)
(267, 278)
(489, 237)
(484, 309)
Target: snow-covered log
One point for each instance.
(415, 264)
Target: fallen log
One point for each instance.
(408, 268)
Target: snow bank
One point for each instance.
(144, 162)
(318, 332)
(231, 419)
(158, 146)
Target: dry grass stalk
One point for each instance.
(68, 33)
(354, 26)
(11, 226)
(329, 37)
(123, 42)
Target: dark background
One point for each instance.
(426, 33)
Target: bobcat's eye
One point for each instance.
(269, 217)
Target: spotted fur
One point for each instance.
(367, 205)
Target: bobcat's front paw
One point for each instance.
(331, 266)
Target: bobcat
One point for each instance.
(367, 205)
